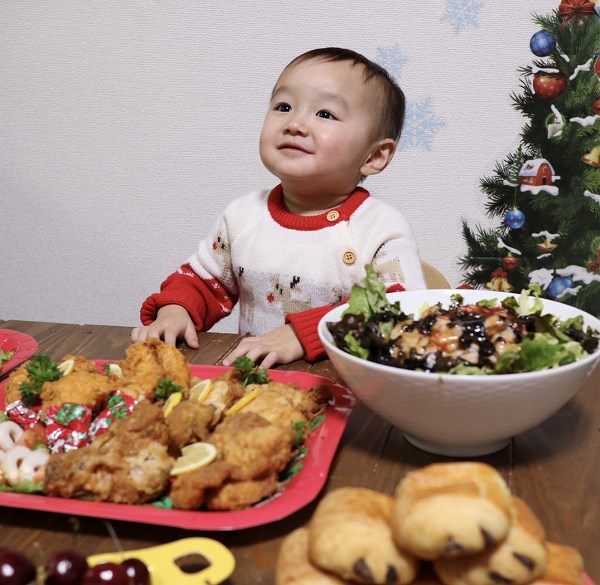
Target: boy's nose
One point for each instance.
(296, 125)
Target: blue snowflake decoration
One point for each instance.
(391, 59)
(420, 125)
(462, 13)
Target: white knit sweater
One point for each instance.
(278, 262)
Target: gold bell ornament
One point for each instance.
(498, 282)
(592, 157)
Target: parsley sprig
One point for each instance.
(165, 388)
(249, 373)
(41, 368)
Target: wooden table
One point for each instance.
(555, 468)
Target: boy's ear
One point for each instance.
(379, 158)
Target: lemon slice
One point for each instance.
(114, 370)
(67, 366)
(193, 457)
(200, 391)
(237, 406)
(172, 402)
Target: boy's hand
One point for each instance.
(172, 322)
(280, 346)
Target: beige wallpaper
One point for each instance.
(125, 127)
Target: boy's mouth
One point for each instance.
(292, 146)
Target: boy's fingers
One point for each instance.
(191, 337)
(170, 337)
(270, 360)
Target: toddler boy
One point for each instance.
(287, 255)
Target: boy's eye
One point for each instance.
(283, 107)
(326, 114)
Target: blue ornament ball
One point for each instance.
(542, 43)
(514, 219)
(557, 286)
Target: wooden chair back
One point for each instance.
(433, 277)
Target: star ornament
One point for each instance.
(547, 247)
(570, 9)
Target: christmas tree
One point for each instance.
(546, 195)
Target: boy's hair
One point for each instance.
(390, 106)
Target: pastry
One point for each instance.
(350, 535)
(565, 566)
(517, 560)
(293, 566)
(451, 510)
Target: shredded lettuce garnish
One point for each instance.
(370, 299)
(5, 356)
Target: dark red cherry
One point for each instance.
(137, 571)
(15, 567)
(65, 567)
(106, 574)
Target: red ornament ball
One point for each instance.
(548, 86)
(510, 262)
(596, 107)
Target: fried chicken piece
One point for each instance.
(275, 407)
(188, 489)
(149, 361)
(12, 391)
(236, 495)
(128, 464)
(80, 363)
(254, 446)
(225, 391)
(188, 422)
(83, 385)
(308, 401)
(174, 363)
(80, 387)
(284, 404)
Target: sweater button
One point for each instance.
(333, 215)
(349, 257)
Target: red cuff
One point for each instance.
(395, 288)
(205, 301)
(154, 302)
(305, 325)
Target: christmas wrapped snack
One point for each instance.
(25, 416)
(67, 427)
(119, 405)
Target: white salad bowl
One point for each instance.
(459, 415)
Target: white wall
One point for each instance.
(125, 127)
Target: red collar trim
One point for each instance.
(290, 220)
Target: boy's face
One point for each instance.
(319, 128)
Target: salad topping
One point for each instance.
(487, 337)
